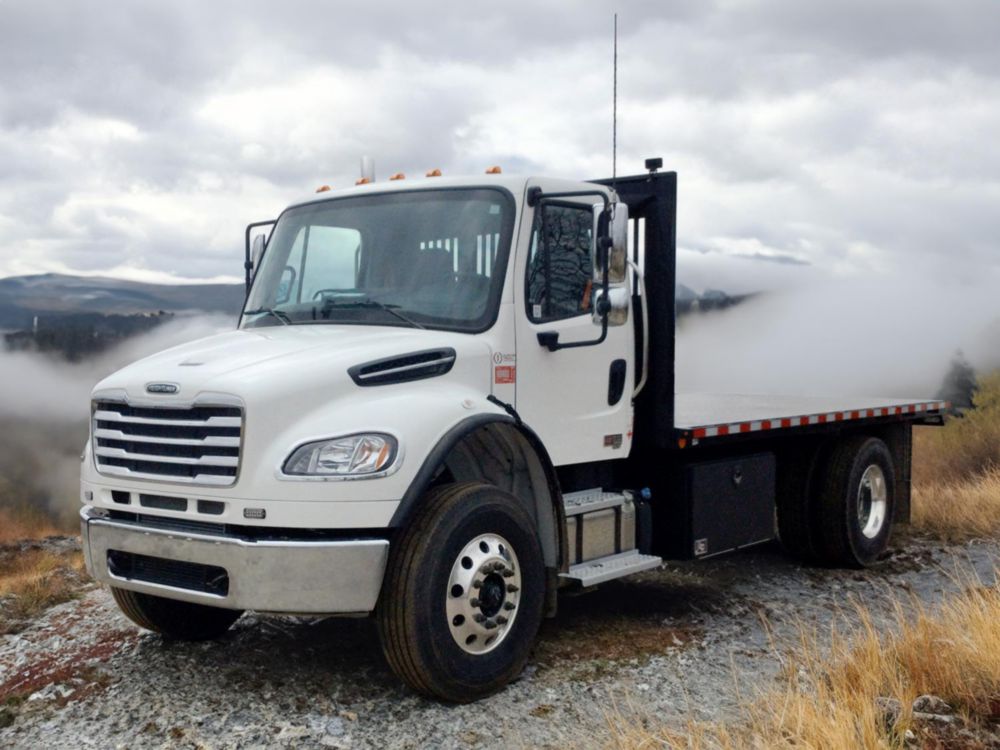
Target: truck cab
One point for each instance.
(446, 399)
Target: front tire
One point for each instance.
(463, 594)
(856, 503)
(171, 618)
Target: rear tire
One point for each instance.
(182, 621)
(856, 504)
(453, 623)
(796, 507)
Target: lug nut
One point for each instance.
(477, 584)
(512, 588)
(474, 602)
(509, 606)
(501, 620)
(490, 625)
(479, 618)
(508, 573)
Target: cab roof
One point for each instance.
(515, 184)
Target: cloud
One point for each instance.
(856, 137)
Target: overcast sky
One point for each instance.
(139, 138)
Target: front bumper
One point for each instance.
(304, 577)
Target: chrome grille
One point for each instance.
(196, 445)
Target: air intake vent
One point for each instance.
(404, 368)
(194, 445)
(208, 579)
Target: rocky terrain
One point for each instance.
(690, 641)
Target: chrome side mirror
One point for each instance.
(610, 244)
(616, 305)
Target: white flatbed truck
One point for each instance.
(446, 400)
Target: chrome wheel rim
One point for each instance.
(483, 594)
(872, 502)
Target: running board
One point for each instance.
(608, 568)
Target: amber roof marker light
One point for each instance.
(398, 176)
(323, 189)
(434, 173)
(494, 170)
(362, 181)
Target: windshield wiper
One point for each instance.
(331, 302)
(279, 315)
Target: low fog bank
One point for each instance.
(44, 407)
(876, 336)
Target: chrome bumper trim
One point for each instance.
(338, 577)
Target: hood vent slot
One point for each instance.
(403, 368)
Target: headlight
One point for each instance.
(354, 455)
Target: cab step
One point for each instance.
(587, 501)
(603, 569)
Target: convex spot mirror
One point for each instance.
(610, 242)
(616, 305)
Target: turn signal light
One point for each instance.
(493, 170)
(434, 173)
(322, 188)
(398, 176)
(362, 181)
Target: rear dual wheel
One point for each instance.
(856, 503)
(836, 507)
(463, 594)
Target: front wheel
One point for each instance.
(182, 621)
(463, 593)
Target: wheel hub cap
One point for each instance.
(484, 590)
(872, 501)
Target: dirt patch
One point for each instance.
(74, 668)
(611, 639)
(623, 624)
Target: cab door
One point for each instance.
(578, 400)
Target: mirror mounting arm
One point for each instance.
(247, 264)
(550, 339)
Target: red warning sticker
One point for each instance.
(504, 374)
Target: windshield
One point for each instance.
(428, 259)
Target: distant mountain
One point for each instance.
(687, 300)
(24, 297)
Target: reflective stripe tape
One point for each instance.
(813, 419)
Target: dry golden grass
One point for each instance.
(33, 580)
(956, 471)
(961, 509)
(830, 697)
(965, 447)
(23, 522)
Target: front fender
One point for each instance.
(547, 506)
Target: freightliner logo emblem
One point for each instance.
(162, 388)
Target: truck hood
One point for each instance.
(280, 359)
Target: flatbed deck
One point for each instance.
(700, 416)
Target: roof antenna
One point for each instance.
(614, 113)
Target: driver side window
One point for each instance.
(559, 284)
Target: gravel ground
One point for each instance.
(682, 642)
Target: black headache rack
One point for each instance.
(652, 211)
